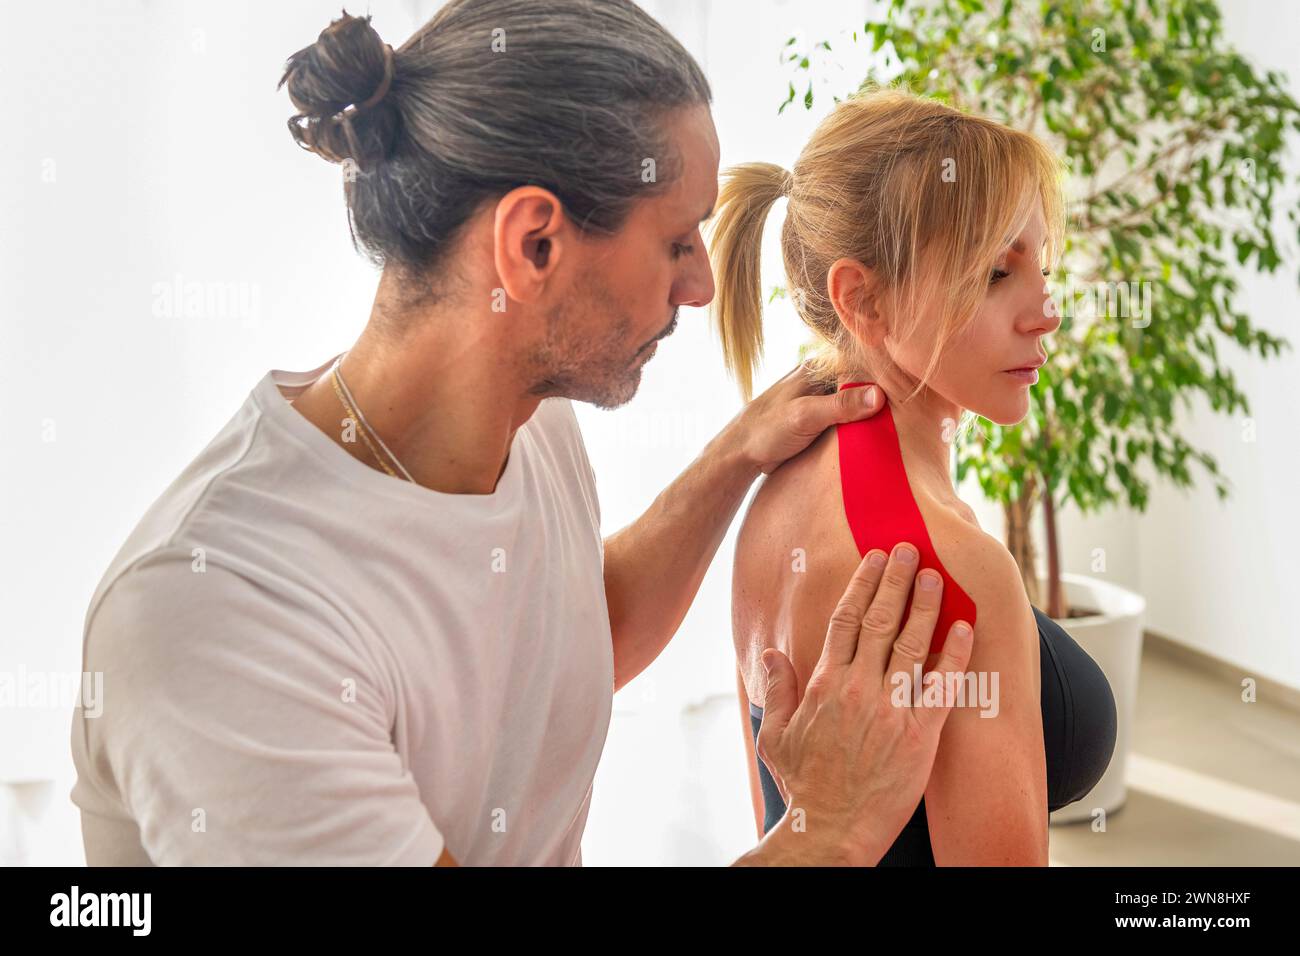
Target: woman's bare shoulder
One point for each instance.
(967, 551)
(984, 568)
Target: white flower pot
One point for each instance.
(1112, 638)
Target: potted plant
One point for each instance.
(1173, 145)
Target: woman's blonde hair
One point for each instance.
(891, 180)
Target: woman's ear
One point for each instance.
(852, 289)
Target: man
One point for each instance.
(374, 621)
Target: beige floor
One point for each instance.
(1213, 781)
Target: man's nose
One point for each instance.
(695, 287)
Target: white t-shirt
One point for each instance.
(307, 661)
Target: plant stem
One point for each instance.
(1057, 609)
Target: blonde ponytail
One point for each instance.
(745, 197)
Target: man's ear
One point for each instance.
(528, 240)
(851, 287)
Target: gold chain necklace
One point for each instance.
(354, 412)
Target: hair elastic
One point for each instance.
(345, 115)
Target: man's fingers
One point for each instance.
(955, 656)
(880, 625)
(781, 693)
(858, 401)
(819, 409)
(820, 412)
(953, 661)
(780, 700)
(846, 623)
(913, 643)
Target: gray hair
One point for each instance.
(487, 96)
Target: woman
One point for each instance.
(915, 244)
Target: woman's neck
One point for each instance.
(926, 424)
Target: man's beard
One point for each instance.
(600, 371)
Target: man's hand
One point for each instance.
(851, 764)
(789, 416)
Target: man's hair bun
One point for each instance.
(573, 105)
(342, 86)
